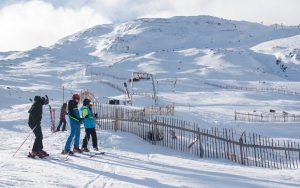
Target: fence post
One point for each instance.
(200, 144)
(116, 119)
(242, 149)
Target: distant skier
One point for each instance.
(89, 124)
(62, 118)
(34, 122)
(75, 121)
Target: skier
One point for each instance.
(62, 118)
(34, 122)
(75, 121)
(89, 124)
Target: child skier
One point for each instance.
(75, 121)
(89, 124)
(62, 118)
(34, 122)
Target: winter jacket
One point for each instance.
(63, 113)
(74, 114)
(35, 113)
(88, 120)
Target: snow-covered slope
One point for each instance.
(188, 57)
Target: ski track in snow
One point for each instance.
(183, 61)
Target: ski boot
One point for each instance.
(85, 150)
(67, 152)
(77, 150)
(96, 149)
(32, 154)
(41, 154)
(45, 153)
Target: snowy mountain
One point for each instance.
(191, 59)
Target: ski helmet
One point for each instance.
(86, 102)
(76, 97)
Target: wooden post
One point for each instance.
(201, 145)
(241, 149)
(280, 158)
(254, 148)
(286, 155)
(233, 145)
(116, 119)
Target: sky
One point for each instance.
(26, 24)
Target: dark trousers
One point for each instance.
(38, 142)
(64, 122)
(88, 133)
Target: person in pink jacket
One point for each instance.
(62, 117)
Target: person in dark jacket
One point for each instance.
(89, 124)
(75, 121)
(34, 122)
(62, 117)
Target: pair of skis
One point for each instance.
(52, 119)
(67, 157)
(57, 158)
(93, 154)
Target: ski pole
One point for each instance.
(24, 141)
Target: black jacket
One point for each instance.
(35, 113)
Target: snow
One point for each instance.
(187, 56)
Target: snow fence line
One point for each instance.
(266, 117)
(256, 89)
(247, 149)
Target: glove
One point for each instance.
(86, 116)
(45, 100)
(96, 115)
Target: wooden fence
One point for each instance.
(266, 117)
(162, 110)
(246, 149)
(257, 89)
(103, 74)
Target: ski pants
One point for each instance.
(75, 134)
(62, 122)
(90, 132)
(38, 142)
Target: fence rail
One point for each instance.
(266, 117)
(246, 149)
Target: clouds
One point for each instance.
(27, 24)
